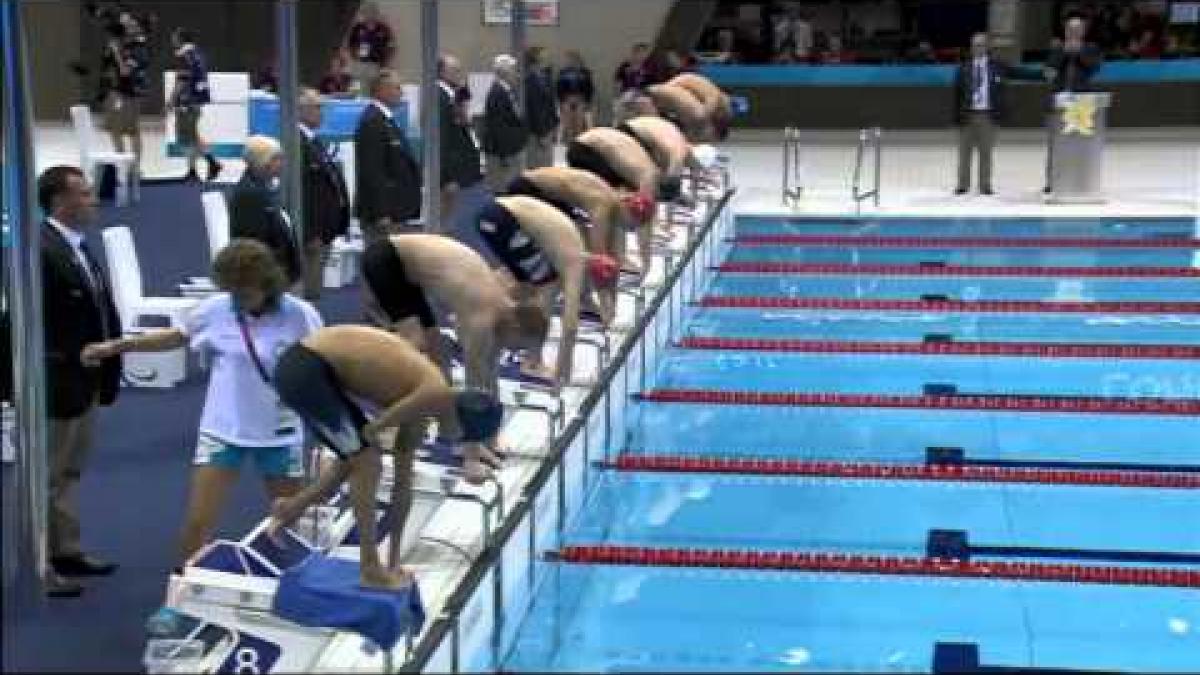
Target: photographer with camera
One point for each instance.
(126, 57)
(188, 99)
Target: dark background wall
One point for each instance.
(912, 107)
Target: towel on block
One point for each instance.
(324, 592)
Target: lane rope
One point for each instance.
(953, 270)
(880, 565)
(1033, 349)
(1014, 403)
(963, 242)
(946, 305)
(667, 463)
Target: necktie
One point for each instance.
(98, 286)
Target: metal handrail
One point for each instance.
(491, 555)
(792, 187)
(867, 137)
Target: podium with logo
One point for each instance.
(1077, 171)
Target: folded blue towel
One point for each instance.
(324, 592)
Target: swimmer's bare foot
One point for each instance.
(475, 471)
(379, 577)
(536, 370)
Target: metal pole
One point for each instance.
(878, 161)
(431, 130)
(27, 566)
(518, 46)
(292, 181)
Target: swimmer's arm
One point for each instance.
(572, 287)
(161, 340)
(418, 405)
(479, 355)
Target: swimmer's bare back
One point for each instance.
(666, 137)
(625, 155)
(551, 229)
(451, 272)
(373, 364)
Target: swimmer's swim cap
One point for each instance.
(479, 414)
(603, 270)
(669, 188)
(641, 206)
(705, 155)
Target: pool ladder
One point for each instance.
(867, 139)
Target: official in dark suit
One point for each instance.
(254, 209)
(78, 310)
(978, 108)
(541, 112)
(389, 178)
(326, 199)
(459, 154)
(504, 131)
(1069, 67)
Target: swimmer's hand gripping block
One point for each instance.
(324, 592)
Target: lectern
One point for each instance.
(1077, 174)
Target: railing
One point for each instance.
(597, 410)
(867, 138)
(793, 185)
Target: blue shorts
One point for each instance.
(280, 461)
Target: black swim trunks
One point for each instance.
(629, 131)
(307, 384)
(518, 251)
(398, 296)
(523, 186)
(583, 156)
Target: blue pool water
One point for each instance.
(617, 618)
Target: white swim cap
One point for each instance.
(705, 155)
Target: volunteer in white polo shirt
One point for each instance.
(242, 416)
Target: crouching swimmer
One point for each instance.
(334, 380)
(404, 271)
(543, 251)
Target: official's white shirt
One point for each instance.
(240, 407)
(980, 99)
(75, 241)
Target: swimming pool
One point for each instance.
(914, 483)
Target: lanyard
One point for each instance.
(258, 364)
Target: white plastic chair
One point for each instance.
(125, 275)
(216, 221)
(216, 227)
(91, 157)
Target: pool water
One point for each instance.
(622, 618)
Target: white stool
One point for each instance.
(91, 158)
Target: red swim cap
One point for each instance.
(603, 269)
(641, 206)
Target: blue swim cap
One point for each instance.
(479, 414)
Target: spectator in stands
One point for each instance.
(338, 81)
(1069, 68)
(671, 64)
(188, 100)
(326, 199)
(266, 78)
(243, 417)
(1148, 45)
(77, 309)
(575, 91)
(923, 54)
(504, 129)
(727, 51)
(126, 59)
(370, 44)
(634, 72)
(389, 179)
(836, 52)
(459, 152)
(255, 211)
(541, 113)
